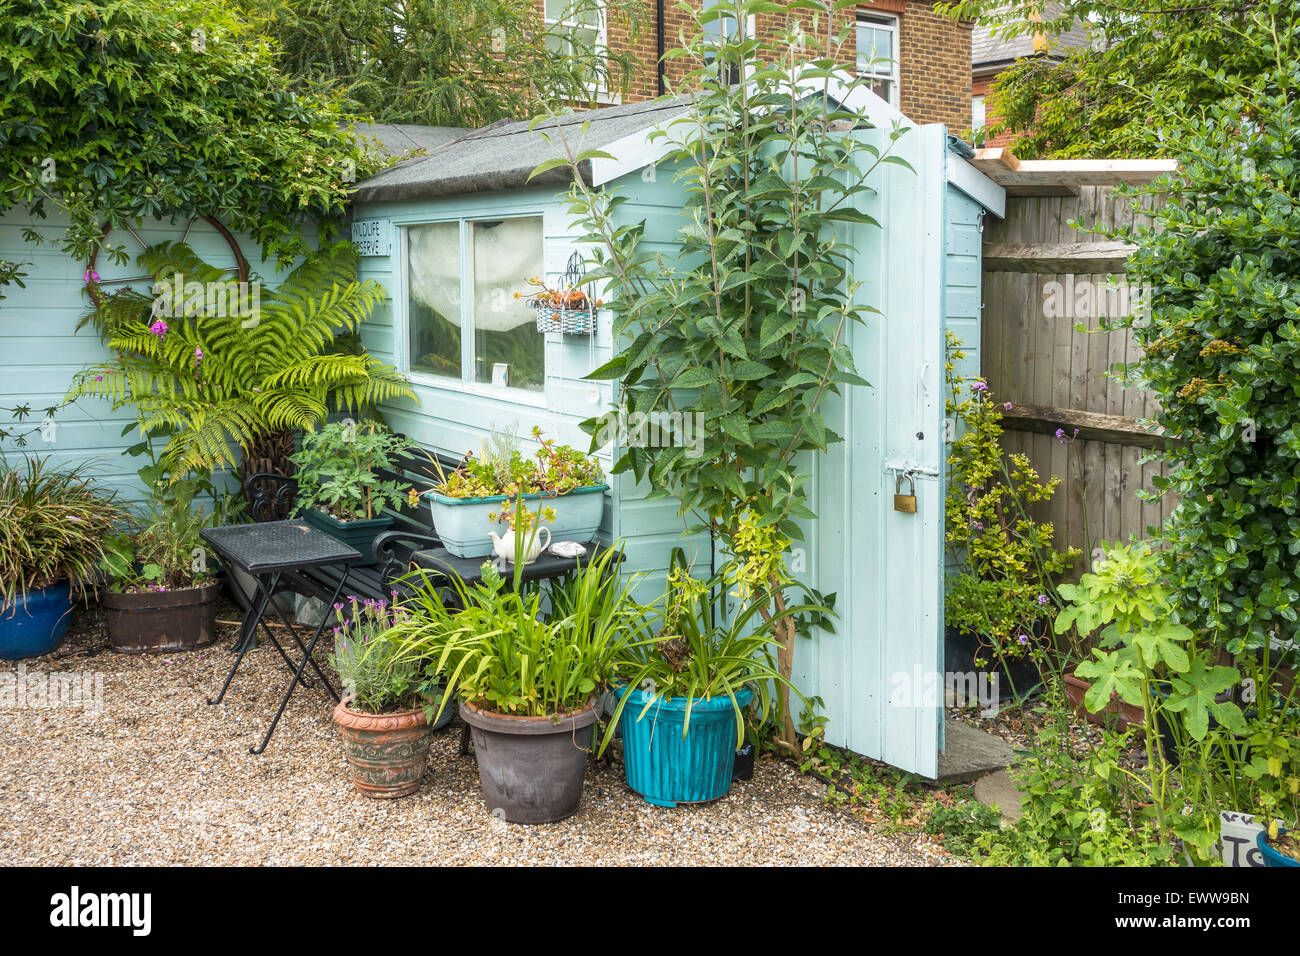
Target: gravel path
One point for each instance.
(159, 777)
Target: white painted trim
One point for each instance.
(977, 186)
(638, 150)
(509, 396)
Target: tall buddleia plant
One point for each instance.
(743, 330)
(219, 382)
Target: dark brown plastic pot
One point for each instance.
(152, 621)
(531, 768)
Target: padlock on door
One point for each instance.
(905, 503)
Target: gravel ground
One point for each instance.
(159, 778)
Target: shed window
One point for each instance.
(877, 40)
(464, 320)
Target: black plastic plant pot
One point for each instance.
(531, 768)
(743, 769)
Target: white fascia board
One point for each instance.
(632, 152)
(638, 150)
(977, 186)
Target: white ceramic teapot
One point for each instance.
(503, 546)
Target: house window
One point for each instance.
(463, 321)
(978, 118)
(726, 29)
(577, 28)
(878, 54)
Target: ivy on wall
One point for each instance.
(117, 112)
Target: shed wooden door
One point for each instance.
(880, 675)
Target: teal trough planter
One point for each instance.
(359, 534)
(667, 769)
(462, 524)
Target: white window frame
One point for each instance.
(751, 26)
(466, 383)
(601, 93)
(890, 23)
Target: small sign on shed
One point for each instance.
(373, 237)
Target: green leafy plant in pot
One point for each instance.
(53, 525)
(686, 695)
(384, 715)
(529, 682)
(162, 594)
(340, 489)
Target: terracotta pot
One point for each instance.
(1127, 714)
(153, 621)
(388, 753)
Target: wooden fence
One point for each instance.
(1042, 278)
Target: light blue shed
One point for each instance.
(454, 234)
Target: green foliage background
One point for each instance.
(1148, 64)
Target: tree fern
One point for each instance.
(222, 383)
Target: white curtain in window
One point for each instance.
(507, 252)
(433, 252)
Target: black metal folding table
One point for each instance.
(268, 551)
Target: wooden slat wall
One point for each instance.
(1033, 358)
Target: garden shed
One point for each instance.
(453, 235)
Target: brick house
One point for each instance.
(991, 55)
(920, 59)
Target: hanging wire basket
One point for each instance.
(579, 321)
(578, 315)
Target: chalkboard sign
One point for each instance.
(372, 237)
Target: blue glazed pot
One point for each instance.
(667, 769)
(35, 624)
(1271, 856)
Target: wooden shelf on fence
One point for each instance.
(1093, 426)
(1063, 177)
(1080, 258)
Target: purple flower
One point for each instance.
(338, 606)
(91, 276)
(979, 387)
(1023, 638)
(1043, 599)
(159, 328)
(198, 356)
(99, 378)
(1007, 406)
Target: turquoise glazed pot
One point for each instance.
(1271, 856)
(35, 624)
(667, 769)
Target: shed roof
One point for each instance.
(398, 139)
(503, 155)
